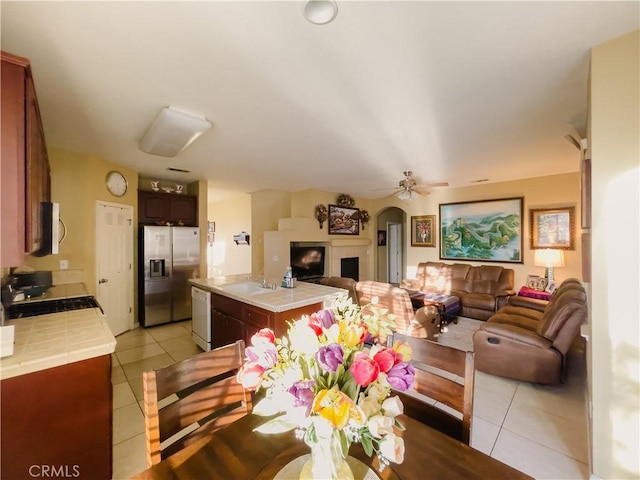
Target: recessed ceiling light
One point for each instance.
(320, 12)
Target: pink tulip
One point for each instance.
(264, 335)
(364, 369)
(385, 358)
(250, 375)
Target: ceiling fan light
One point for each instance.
(320, 12)
(406, 195)
(172, 131)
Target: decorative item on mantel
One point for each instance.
(329, 388)
(321, 214)
(345, 200)
(241, 238)
(364, 218)
(155, 185)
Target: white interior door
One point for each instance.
(394, 252)
(114, 264)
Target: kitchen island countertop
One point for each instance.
(279, 300)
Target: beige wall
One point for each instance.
(77, 182)
(614, 348)
(231, 217)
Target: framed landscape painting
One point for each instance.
(484, 230)
(423, 231)
(344, 220)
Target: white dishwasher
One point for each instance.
(201, 317)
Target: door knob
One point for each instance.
(103, 280)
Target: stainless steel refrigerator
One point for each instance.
(169, 257)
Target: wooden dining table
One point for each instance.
(237, 452)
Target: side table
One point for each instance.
(448, 305)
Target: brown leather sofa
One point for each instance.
(482, 290)
(525, 343)
(422, 323)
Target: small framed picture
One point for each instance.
(423, 231)
(542, 284)
(382, 238)
(552, 228)
(532, 281)
(551, 287)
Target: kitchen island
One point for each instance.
(56, 394)
(240, 306)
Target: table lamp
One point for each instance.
(549, 258)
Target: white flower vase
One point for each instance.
(326, 461)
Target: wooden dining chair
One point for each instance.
(442, 395)
(191, 399)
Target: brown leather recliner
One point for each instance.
(422, 323)
(348, 284)
(525, 344)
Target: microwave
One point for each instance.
(50, 217)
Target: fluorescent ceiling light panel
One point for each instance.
(172, 131)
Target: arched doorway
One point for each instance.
(391, 257)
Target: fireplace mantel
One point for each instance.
(305, 230)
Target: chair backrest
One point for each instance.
(446, 375)
(191, 399)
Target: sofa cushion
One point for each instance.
(485, 301)
(521, 321)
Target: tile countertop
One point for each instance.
(48, 341)
(278, 300)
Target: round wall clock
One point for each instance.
(116, 183)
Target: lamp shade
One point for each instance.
(548, 258)
(172, 131)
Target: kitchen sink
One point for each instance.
(247, 288)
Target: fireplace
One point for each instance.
(350, 268)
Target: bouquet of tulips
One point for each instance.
(322, 377)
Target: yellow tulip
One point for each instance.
(404, 350)
(334, 406)
(351, 335)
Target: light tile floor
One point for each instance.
(539, 430)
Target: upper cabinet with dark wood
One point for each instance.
(26, 180)
(156, 208)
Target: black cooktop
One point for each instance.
(32, 309)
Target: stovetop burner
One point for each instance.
(32, 309)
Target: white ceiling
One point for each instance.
(455, 91)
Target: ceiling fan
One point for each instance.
(408, 188)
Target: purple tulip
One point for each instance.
(303, 394)
(264, 355)
(401, 376)
(330, 357)
(325, 317)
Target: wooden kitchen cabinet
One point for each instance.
(157, 208)
(59, 418)
(26, 179)
(233, 320)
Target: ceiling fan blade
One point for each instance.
(427, 185)
(388, 188)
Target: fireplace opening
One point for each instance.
(350, 268)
